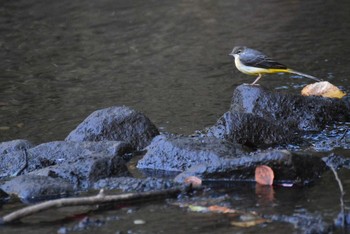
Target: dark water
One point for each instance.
(62, 60)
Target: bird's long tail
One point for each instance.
(303, 74)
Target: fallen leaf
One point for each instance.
(264, 175)
(221, 209)
(195, 181)
(198, 208)
(324, 89)
(249, 223)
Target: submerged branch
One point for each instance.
(342, 206)
(101, 198)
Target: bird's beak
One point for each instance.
(231, 54)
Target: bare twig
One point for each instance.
(342, 206)
(101, 198)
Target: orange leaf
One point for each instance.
(264, 175)
(221, 209)
(324, 89)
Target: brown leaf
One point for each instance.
(249, 223)
(264, 175)
(221, 209)
(324, 89)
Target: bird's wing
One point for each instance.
(260, 60)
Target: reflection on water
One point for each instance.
(169, 59)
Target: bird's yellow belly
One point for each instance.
(255, 70)
(247, 69)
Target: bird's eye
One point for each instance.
(239, 51)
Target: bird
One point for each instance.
(254, 62)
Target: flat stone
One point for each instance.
(288, 168)
(35, 188)
(58, 152)
(178, 153)
(83, 172)
(129, 184)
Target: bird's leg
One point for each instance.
(256, 80)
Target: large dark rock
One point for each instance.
(259, 118)
(178, 153)
(116, 124)
(293, 111)
(83, 172)
(129, 184)
(251, 130)
(15, 145)
(34, 188)
(215, 159)
(289, 168)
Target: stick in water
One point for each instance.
(342, 206)
(100, 198)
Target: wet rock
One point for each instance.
(34, 188)
(251, 130)
(129, 184)
(306, 223)
(342, 221)
(289, 168)
(116, 124)
(337, 161)
(178, 153)
(83, 172)
(332, 137)
(287, 110)
(56, 153)
(15, 145)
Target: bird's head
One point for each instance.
(237, 50)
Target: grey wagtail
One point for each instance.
(253, 62)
